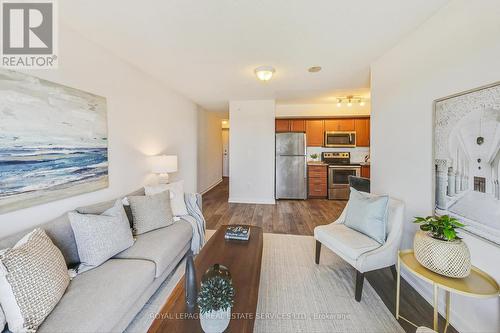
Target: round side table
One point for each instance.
(478, 284)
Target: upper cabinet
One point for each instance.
(297, 125)
(362, 127)
(339, 124)
(315, 130)
(282, 125)
(290, 125)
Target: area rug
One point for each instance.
(296, 295)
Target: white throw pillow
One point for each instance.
(176, 195)
(100, 237)
(33, 278)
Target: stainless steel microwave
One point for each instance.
(340, 139)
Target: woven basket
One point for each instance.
(449, 258)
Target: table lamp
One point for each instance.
(163, 165)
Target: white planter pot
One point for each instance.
(215, 321)
(449, 258)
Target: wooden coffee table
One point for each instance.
(243, 259)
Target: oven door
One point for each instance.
(340, 139)
(338, 181)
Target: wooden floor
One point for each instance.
(299, 217)
(305, 214)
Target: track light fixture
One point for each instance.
(349, 100)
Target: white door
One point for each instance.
(225, 152)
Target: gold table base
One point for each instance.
(478, 284)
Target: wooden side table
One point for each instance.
(478, 284)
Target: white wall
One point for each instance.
(321, 110)
(251, 151)
(144, 118)
(209, 149)
(456, 50)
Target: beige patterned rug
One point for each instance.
(296, 295)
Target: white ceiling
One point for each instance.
(207, 50)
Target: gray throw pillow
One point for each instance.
(150, 212)
(100, 237)
(367, 214)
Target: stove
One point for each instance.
(339, 170)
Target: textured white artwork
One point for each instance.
(467, 156)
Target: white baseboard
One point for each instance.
(425, 290)
(259, 201)
(211, 186)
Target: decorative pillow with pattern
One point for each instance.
(33, 278)
(176, 195)
(150, 212)
(100, 237)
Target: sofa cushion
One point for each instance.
(59, 231)
(160, 246)
(344, 240)
(97, 299)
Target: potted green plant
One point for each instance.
(215, 300)
(438, 247)
(314, 156)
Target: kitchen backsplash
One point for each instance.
(357, 154)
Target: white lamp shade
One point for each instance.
(164, 164)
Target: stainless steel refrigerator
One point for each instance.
(291, 166)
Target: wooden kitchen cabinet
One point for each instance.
(282, 125)
(339, 124)
(365, 171)
(290, 125)
(362, 127)
(317, 183)
(297, 125)
(315, 132)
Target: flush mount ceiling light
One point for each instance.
(349, 100)
(264, 73)
(314, 69)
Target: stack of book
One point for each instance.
(237, 232)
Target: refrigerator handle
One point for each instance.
(305, 167)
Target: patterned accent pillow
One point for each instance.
(100, 237)
(151, 212)
(33, 278)
(176, 195)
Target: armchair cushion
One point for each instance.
(367, 214)
(344, 241)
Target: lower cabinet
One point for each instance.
(317, 181)
(365, 171)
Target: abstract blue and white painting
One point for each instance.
(53, 141)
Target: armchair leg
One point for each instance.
(394, 272)
(360, 278)
(318, 251)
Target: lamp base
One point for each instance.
(163, 178)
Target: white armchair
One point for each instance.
(360, 251)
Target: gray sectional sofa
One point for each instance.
(107, 298)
